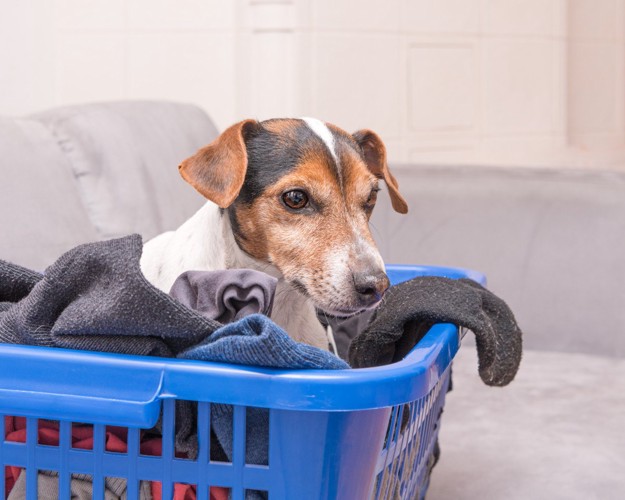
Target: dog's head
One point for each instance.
(299, 194)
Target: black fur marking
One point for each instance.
(239, 236)
(271, 156)
(349, 142)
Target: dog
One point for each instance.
(290, 197)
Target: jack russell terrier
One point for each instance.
(292, 198)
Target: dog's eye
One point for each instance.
(373, 197)
(295, 199)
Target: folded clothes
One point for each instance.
(81, 487)
(227, 295)
(252, 340)
(256, 340)
(408, 309)
(96, 298)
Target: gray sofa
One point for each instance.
(551, 242)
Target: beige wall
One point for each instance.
(55, 52)
(529, 82)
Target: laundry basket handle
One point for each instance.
(79, 386)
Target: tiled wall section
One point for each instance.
(595, 53)
(462, 80)
(72, 51)
(531, 82)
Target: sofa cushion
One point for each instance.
(555, 432)
(550, 242)
(41, 215)
(125, 157)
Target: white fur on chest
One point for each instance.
(205, 243)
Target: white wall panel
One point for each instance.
(598, 19)
(594, 84)
(349, 16)
(270, 59)
(442, 87)
(90, 67)
(357, 82)
(445, 152)
(91, 15)
(273, 80)
(492, 81)
(180, 15)
(196, 68)
(518, 86)
(518, 17)
(27, 56)
(450, 17)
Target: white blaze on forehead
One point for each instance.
(323, 132)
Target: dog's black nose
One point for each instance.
(370, 287)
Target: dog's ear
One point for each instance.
(218, 170)
(374, 153)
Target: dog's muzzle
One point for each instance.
(370, 287)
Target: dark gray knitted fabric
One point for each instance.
(408, 308)
(96, 298)
(15, 283)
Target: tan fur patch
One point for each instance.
(217, 171)
(283, 127)
(333, 228)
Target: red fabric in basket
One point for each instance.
(82, 438)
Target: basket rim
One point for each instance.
(127, 390)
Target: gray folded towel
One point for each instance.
(410, 307)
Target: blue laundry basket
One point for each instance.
(349, 434)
